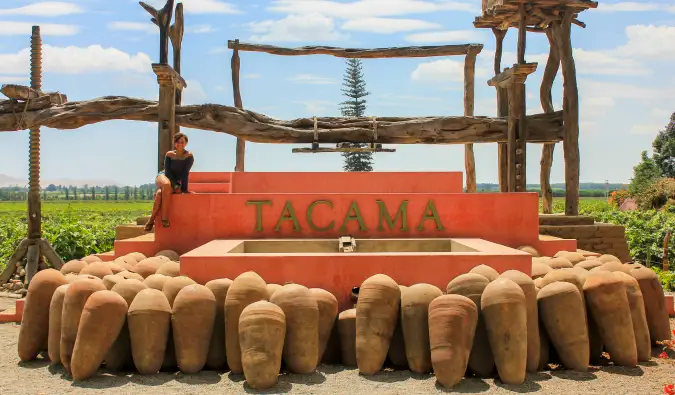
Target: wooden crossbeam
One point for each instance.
(394, 52)
(517, 73)
(341, 149)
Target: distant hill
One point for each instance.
(9, 181)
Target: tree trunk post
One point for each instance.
(168, 81)
(562, 31)
(241, 143)
(502, 111)
(517, 122)
(546, 99)
(34, 206)
(176, 35)
(469, 103)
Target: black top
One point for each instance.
(177, 170)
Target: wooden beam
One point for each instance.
(469, 102)
(241, 143)
(550, 72)
(395, 52)
(502, 111)
(522, 33)
(562, 31)
(169, 81)
(341, 149)
(176, 35)
(161, 18)
(255, 127)
(34, 204)
(514, 75)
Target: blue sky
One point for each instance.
(95, 48)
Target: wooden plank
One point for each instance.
(241, 143)
(504, 15)
(161, 18)
(373, 53)
(344, 149)
(516, 74)
(18, 255)
(47, 250)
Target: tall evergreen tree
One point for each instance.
(354, 87)
(664, 149)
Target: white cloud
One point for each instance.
(311, 27)
(368, 8)
(589, 88)
(315, 107)
(311, 79)
(650, 129)
(251, 76)
(649, 42)
(628, 6)
(11, 28)
(75, 60)
(200, 29)
(201, 6)
(445, 36)
(388, 25)
(149, 28)
(45, 8)
(445, 70)
(606, 63)
(194, 93)
(13, 79)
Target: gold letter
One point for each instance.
(402, 213)
(431, 207)
(310, 209)
(288, 214)
(258, 212)
(356, 216)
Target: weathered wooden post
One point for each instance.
(176, 35)
(236, 91)
(550, 72)
(502, 111)
(469, 103)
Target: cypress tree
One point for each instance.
(354, 88)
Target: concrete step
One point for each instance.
(210, 177)
(212, 187)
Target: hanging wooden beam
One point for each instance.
(469, 104)
(259, 128)
(394, 52)
(241, 143)
(546, 99)
(562, 30)
(502, 111)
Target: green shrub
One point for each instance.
(657, 195)
(667, 279)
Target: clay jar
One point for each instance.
(97, 269)
(55, 311)
(572, 256)
(73, 303)
(485, 271)
(103, 315)
(452, 324)
(75, 266)
(119, 355)
(301, 344)
(559, 263)
(540, 270)
(171, 269)
(328, 309)
(589, 264)
(471, 285)
(111, 279)
(527, 285)
(415, 302)
(562, 314)
(608, 303)
(34, 331)
(216, 359)
(149, 319)
(193, 304)
(247, 288)
(171, 255)
(347, 330)
(376, 312)
(156, 281)
(130, 275)
(505, 311)
(396, 353)
(148, 266)
(170, 290)
(262, 330)
(655, 303)
(530, 250)
(637, 312)
(271, 289)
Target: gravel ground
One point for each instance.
(38, 377)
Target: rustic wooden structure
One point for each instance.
(554, 18)
(469, 51)
(33, 247)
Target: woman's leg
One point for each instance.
(155, 210)
(164, 185)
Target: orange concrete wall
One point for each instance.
(339, 273)
(503, 218)
(343, 182)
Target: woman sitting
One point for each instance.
(173, 179)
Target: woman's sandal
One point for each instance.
(165, 223)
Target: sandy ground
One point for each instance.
(39, 378)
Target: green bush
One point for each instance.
(667, 279)
(658, 194)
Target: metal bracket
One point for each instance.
(346, 244)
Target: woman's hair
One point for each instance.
(178, 136)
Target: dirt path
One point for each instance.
(39, 378)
